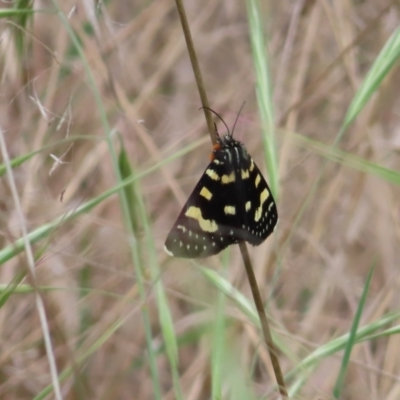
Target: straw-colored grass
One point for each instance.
(102, 142)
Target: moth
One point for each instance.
(230, 203)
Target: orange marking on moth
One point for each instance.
(216, 147)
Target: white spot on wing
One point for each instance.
(168, 252)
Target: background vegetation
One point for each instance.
(94, 92)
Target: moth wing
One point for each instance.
(257, 206)
(206, 224)
(226, 205)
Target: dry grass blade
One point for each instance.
(87, 73)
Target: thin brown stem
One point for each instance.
(242, 245)
(263, 319)
(196, 70)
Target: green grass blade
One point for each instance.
(218, 348)
(379, 70)
(21, 19)
(133, 212)
(15, 12)
(139, 217)
(264, 93)
(126, 173)
(352, 336)
(348, 159)
(312, 360)
(7, 291)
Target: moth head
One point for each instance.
(227, 139)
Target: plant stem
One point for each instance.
(242, 245)
(196, 70)
(263, 319)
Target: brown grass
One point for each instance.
(312, 272)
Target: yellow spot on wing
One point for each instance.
(258, 179)
(245, 174)
(251, 165)
(248, 205)
(230, 210)
(207, 225)
(206, 193)
(212, 174)
(264, 196)
(228, 178)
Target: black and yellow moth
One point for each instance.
(231, 202)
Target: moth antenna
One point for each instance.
(216, 129)
(214, 112)
(237, 117)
